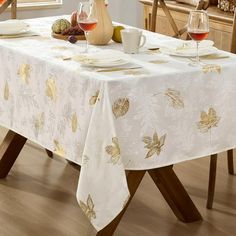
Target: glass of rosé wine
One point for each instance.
(85, 19)
(198, 29)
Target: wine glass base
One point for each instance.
(195, 63)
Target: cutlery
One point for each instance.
(118, 69)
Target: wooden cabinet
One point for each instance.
(220, 22)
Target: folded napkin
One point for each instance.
(13, 27)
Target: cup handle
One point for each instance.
(143, 37)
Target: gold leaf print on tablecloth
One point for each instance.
(39, 121)
(58, 149)
(175, 98)
(24, 72)
(6, 91)
(94, 98)
(208, 120)
(211, 68)
(74, 122)
(154, 144)
(51, 89)
(120, 107)
(134, 72)
(88, 208)
(114, 151)
(158, 61)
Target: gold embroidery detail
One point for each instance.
(6, 91)
(51, 89)
(88, 208)
(59, 149)
(120, 107)
(154, 144)
(94, 98)
(208, 120)
(24, 72)
(39, 121)
(158, 61)
(114, 151)
(175, 98)
(74, 122)
(211, 68)
(134, 72)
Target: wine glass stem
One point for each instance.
(86, 36)
(197, 58)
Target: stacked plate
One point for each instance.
(105, 58)
(13, 27)
(188, 48)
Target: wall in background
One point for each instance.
(124, 11)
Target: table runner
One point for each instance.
(161, 114)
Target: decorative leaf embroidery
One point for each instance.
(120, 107)
(94, 98)
(158, 62)
(211, 68)
(208, 120)
(175, 98)
(154, 144)
(6, 91)
(74, 122)
(59, 149)
(134, 72)
(51, 90)
(39, 121)
(24, 72)
(114, 151)
(88, 208)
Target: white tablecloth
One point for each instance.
(163, 113)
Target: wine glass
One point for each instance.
(85, 19)
(198, 29)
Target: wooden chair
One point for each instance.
(5, 5)
(13, 4)
(202, 5)
(213, 159)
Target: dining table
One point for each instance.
(116, 122)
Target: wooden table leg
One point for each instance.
(134, 178)
(212, 181)
(175, 194)
(9, 151)
(230, 157)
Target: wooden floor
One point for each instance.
(38, 198)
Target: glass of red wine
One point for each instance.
(198, 29)
(85, 19)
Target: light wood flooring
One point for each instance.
(38, 199)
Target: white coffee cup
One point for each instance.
(131, 40)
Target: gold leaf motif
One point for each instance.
(134, 72)
(94, 98)
(208, 120)
(211, 68)
(175, 98)
(58, 149)
(6, 91)
(158, 62)
(24, 73)
(74, 122)
(59, 47)
(51, 89)
(154, 144)
(120, 107)
(39, 121)
(114, 151)
(88, 208)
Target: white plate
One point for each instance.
(189, 53)
(105, 58)
(14, 31)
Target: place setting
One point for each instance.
(15, 29)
